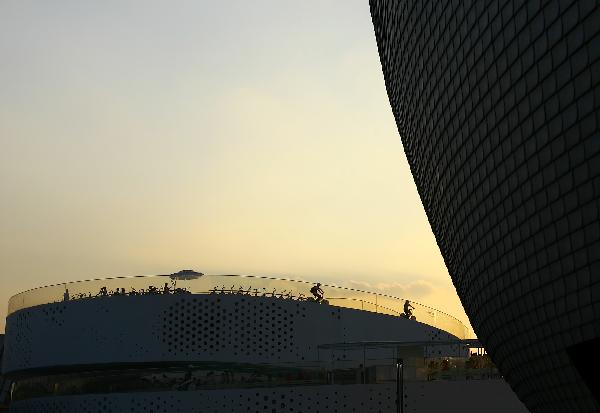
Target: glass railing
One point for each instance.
(194, 283)
(230, 376)
(450, 360)
(476, 367)
(198, 376)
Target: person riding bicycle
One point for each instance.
(317, 292)
(408, 309)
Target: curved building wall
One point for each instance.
(4, 383)
(378, 398)
(177, 328)
(497, 104)
(324, 399)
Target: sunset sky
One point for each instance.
(229, 137)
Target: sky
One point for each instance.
(145, 137)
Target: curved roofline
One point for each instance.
(264, 277)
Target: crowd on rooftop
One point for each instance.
(105, 292)
(171, 289)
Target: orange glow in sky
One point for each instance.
(227, 137)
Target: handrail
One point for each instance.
(337, 295)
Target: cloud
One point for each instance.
(414, 290)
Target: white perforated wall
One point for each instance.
(322, 399)
(249, 328)
(490, 396)
(230, 328)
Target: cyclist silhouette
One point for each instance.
(317, 292)
(407, 309)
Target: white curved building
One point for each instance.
(197, 343)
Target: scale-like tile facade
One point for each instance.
(497, 104)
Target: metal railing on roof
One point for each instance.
(262, 286)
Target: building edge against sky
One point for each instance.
(498, 106)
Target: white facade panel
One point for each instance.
(490, 396)
(175, 328)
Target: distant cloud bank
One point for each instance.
(413, 289)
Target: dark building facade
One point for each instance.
(497, 104)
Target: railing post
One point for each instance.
(400, 385)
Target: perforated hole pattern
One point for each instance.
(191, 327)
(324, 399)
(210, 325)
(21, 334)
